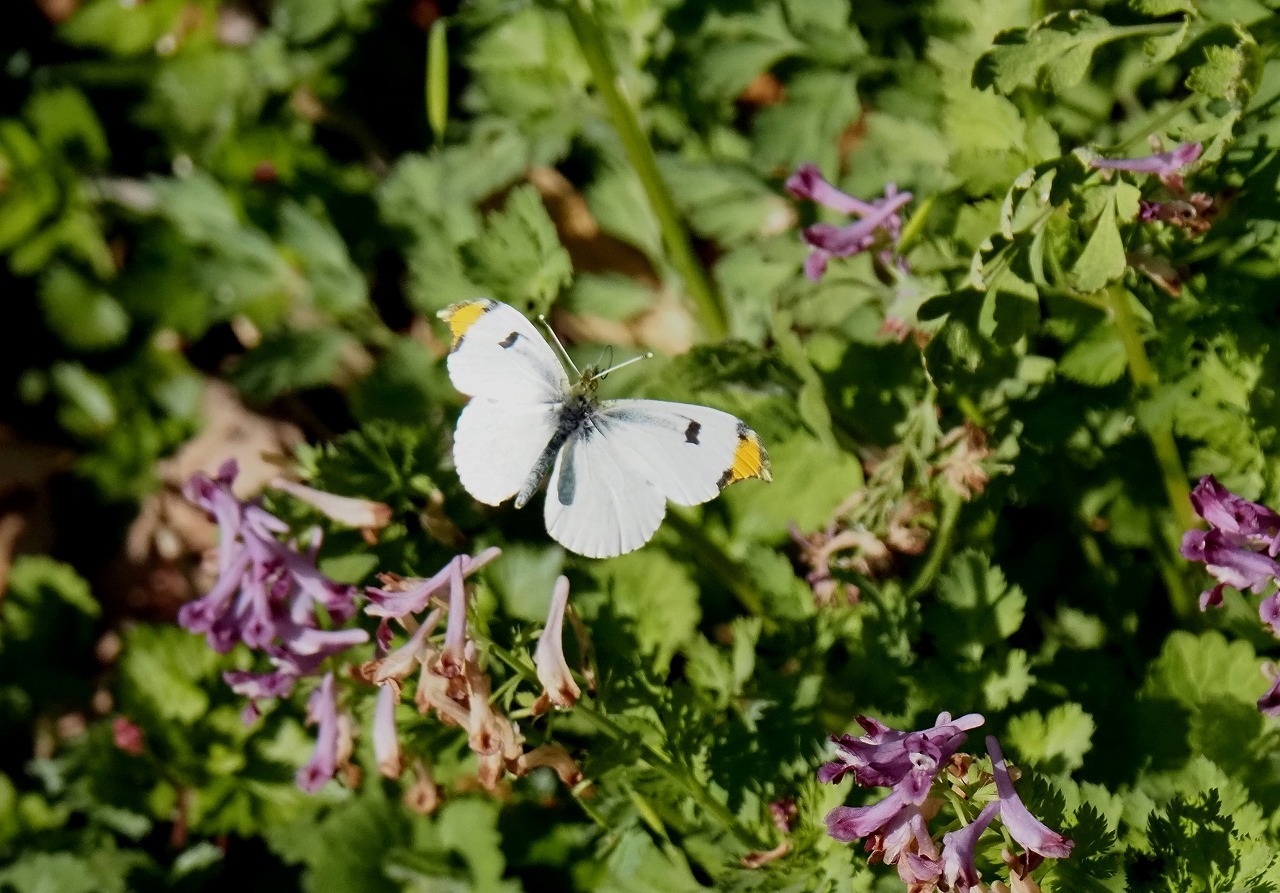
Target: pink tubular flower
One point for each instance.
(265, 590)
(364, 514)
(959, 849)
(322, 710)
(1025, 828)
(1160, 163)
(557, 681)
(879, 226)
(128, 736)
(386, 744)
(406, 597)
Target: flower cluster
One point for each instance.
(896, 829)
(879, 225)
(1192, 211)
(451, 680)
(270, 596)
(1239, 550)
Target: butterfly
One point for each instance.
(613, 464)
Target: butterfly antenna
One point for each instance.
(542, 318)
(643, 356)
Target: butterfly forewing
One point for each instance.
(689, 452)
(498, 354)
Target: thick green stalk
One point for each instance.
(591, 38)
(1172, 472)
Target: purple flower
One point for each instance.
(880, 225)
(559, 687)
(850, 823)
(412, 596)
(1025, 828)
(322, 710)
(1269, 703)
(266, 591)
(1160, 163)
(959, 849)
(1239, 549)
(886, 757)
(267, 595)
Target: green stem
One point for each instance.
(591, 38)
(652, 754)
(1146, 380)
(714, 559)
(941, 546)
(1160, 433)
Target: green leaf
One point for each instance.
(976, 606)
(658, 596)
(1056, 742)
(806, 127)
(289, 361)
(64, 122)
(518, 257)
(337, 285)
(1226, 73)
(87, 407)
(345, 850)
(1053, 54)
(50, 873)
(797, 494)
(1102, 260)
(610, 296)
(36, 577)
(1097, 359)
(161, 669)
(84, 316)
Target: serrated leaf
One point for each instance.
(160, 671)
(1057, 741)
(337, 286)
(1055, 53)
(807, 126)
(1103, 259)
(976, 606)
(518, 257)
(288, 361)
(1097, 359)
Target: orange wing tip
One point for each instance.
(463, 315)
(749, 460)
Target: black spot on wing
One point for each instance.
(691, 433)
(511, 339)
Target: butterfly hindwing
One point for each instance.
(498, 443)
(599, 503)
(498, 354)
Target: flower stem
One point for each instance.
(662, 763)
(1160, 433)
(941, 545)
(591, 38)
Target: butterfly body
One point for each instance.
(611, 465)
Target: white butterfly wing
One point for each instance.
(689, 452)
(497, 444)
(599, 502)
(498, 354)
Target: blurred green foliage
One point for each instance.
(281, 193)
